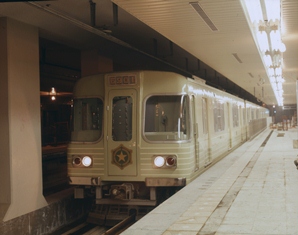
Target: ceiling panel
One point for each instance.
(230, 50)
(180, 23)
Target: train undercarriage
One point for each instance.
(115, 202)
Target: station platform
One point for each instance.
(253, 190)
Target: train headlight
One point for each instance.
(87, 161)
(159, 161)
(164, 161)
(82, 161)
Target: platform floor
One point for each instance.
(254, 190)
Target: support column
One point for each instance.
(92, 63)
(5, 187)
(20, 135)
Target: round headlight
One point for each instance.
(87, 161)
(159, 161)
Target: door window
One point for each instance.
(122, 118)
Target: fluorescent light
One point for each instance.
(272, 9)
(254, 11)
(282, 47)
(263, 41)
(270, 72)
(264, 18)
(278, 72)
(280, 80)
(268, 60)
(275, 39)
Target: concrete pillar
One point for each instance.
(20, 135)
(92, 63)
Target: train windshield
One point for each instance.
(167, 118)
(87, 117)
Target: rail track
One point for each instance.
(86, 228)
(105, 219)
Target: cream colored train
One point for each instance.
(136, 134)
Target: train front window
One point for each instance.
(167, 118)
(87, 117)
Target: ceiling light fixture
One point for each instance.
(53, 93)
(264, 18)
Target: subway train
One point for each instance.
(139, 135)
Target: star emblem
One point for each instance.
(121, 156)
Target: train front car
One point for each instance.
(131, 137)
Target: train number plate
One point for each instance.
(122, 80)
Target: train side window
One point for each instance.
(122, 118)
(219, 117)
(87, 117)
(235, 112)
(167, 118)
(243, 116)
(252, 114)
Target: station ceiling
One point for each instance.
(170, 35)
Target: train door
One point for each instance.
(229, 108)
(195, 133)
(121, 130)
(241, 122)
(206, 143)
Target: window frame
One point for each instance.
(102, 120)
(189, 135)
